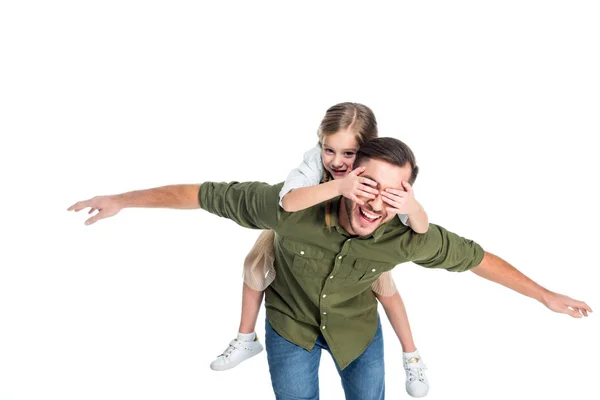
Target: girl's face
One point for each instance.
(339, 151)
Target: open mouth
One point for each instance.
(339, 171)
(367, 217)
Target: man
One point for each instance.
(326, 259)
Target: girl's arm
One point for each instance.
(305, 197)
(404, 202)
(418, 220)
(351, 186)
(307, 175)
(396, 313)
(302, 188)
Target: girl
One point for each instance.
(327, 173)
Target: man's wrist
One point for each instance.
(121, 200)
(543, 295)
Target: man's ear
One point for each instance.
(355, 165)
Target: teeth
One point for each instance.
(368, 215)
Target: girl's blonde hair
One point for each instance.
(355, 117)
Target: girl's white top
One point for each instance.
(310, 173)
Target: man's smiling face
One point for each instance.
(364, 220)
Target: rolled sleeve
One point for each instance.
(447, 250)
(309, 173)
(249, 204)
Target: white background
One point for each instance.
(499, 101)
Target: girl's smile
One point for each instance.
(338, 152)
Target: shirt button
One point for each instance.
(323, 326)
(340, 257)
(324, 313)
(324, 295)
(302, 252)
(373, 270)
(331, 277)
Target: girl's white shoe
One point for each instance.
(237, 352)
(417, 384)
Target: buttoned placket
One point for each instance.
(323, 307)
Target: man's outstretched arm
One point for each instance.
(173, 196)
(497, 270)
(443, 249)
(250, 204)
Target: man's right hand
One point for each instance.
(107, 206)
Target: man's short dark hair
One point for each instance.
(390, 150)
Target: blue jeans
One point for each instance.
(295, 371)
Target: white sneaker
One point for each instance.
(235, 353)
(417, 384)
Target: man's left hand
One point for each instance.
(563, 304)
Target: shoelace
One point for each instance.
(415, 370)
(232, 346)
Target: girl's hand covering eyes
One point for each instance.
(401, 201)
(353, 185)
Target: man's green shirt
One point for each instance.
(324, 274)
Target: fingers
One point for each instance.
(395, 192)
(579, 306)
(368, 189)
(91, 210)
(367, 181)
(582, 305)
(407, 186)
(391, 201)
(353, 197)
(357, 171)
(392, 210)
(95, 218)
(364, 194)
(80, 205)
(572, 312)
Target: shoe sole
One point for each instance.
(233, 365)
(419, 396)
(416, 395)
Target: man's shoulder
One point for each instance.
(408, 243)
(256, 187)
(268, 192)
(254, 194)
(303, 222)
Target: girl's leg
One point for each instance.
(396, 313)
(246, 344)
(417, 384)
(251, 301)
(259, 272)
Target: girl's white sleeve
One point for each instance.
(403, 218)
(309, 173)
